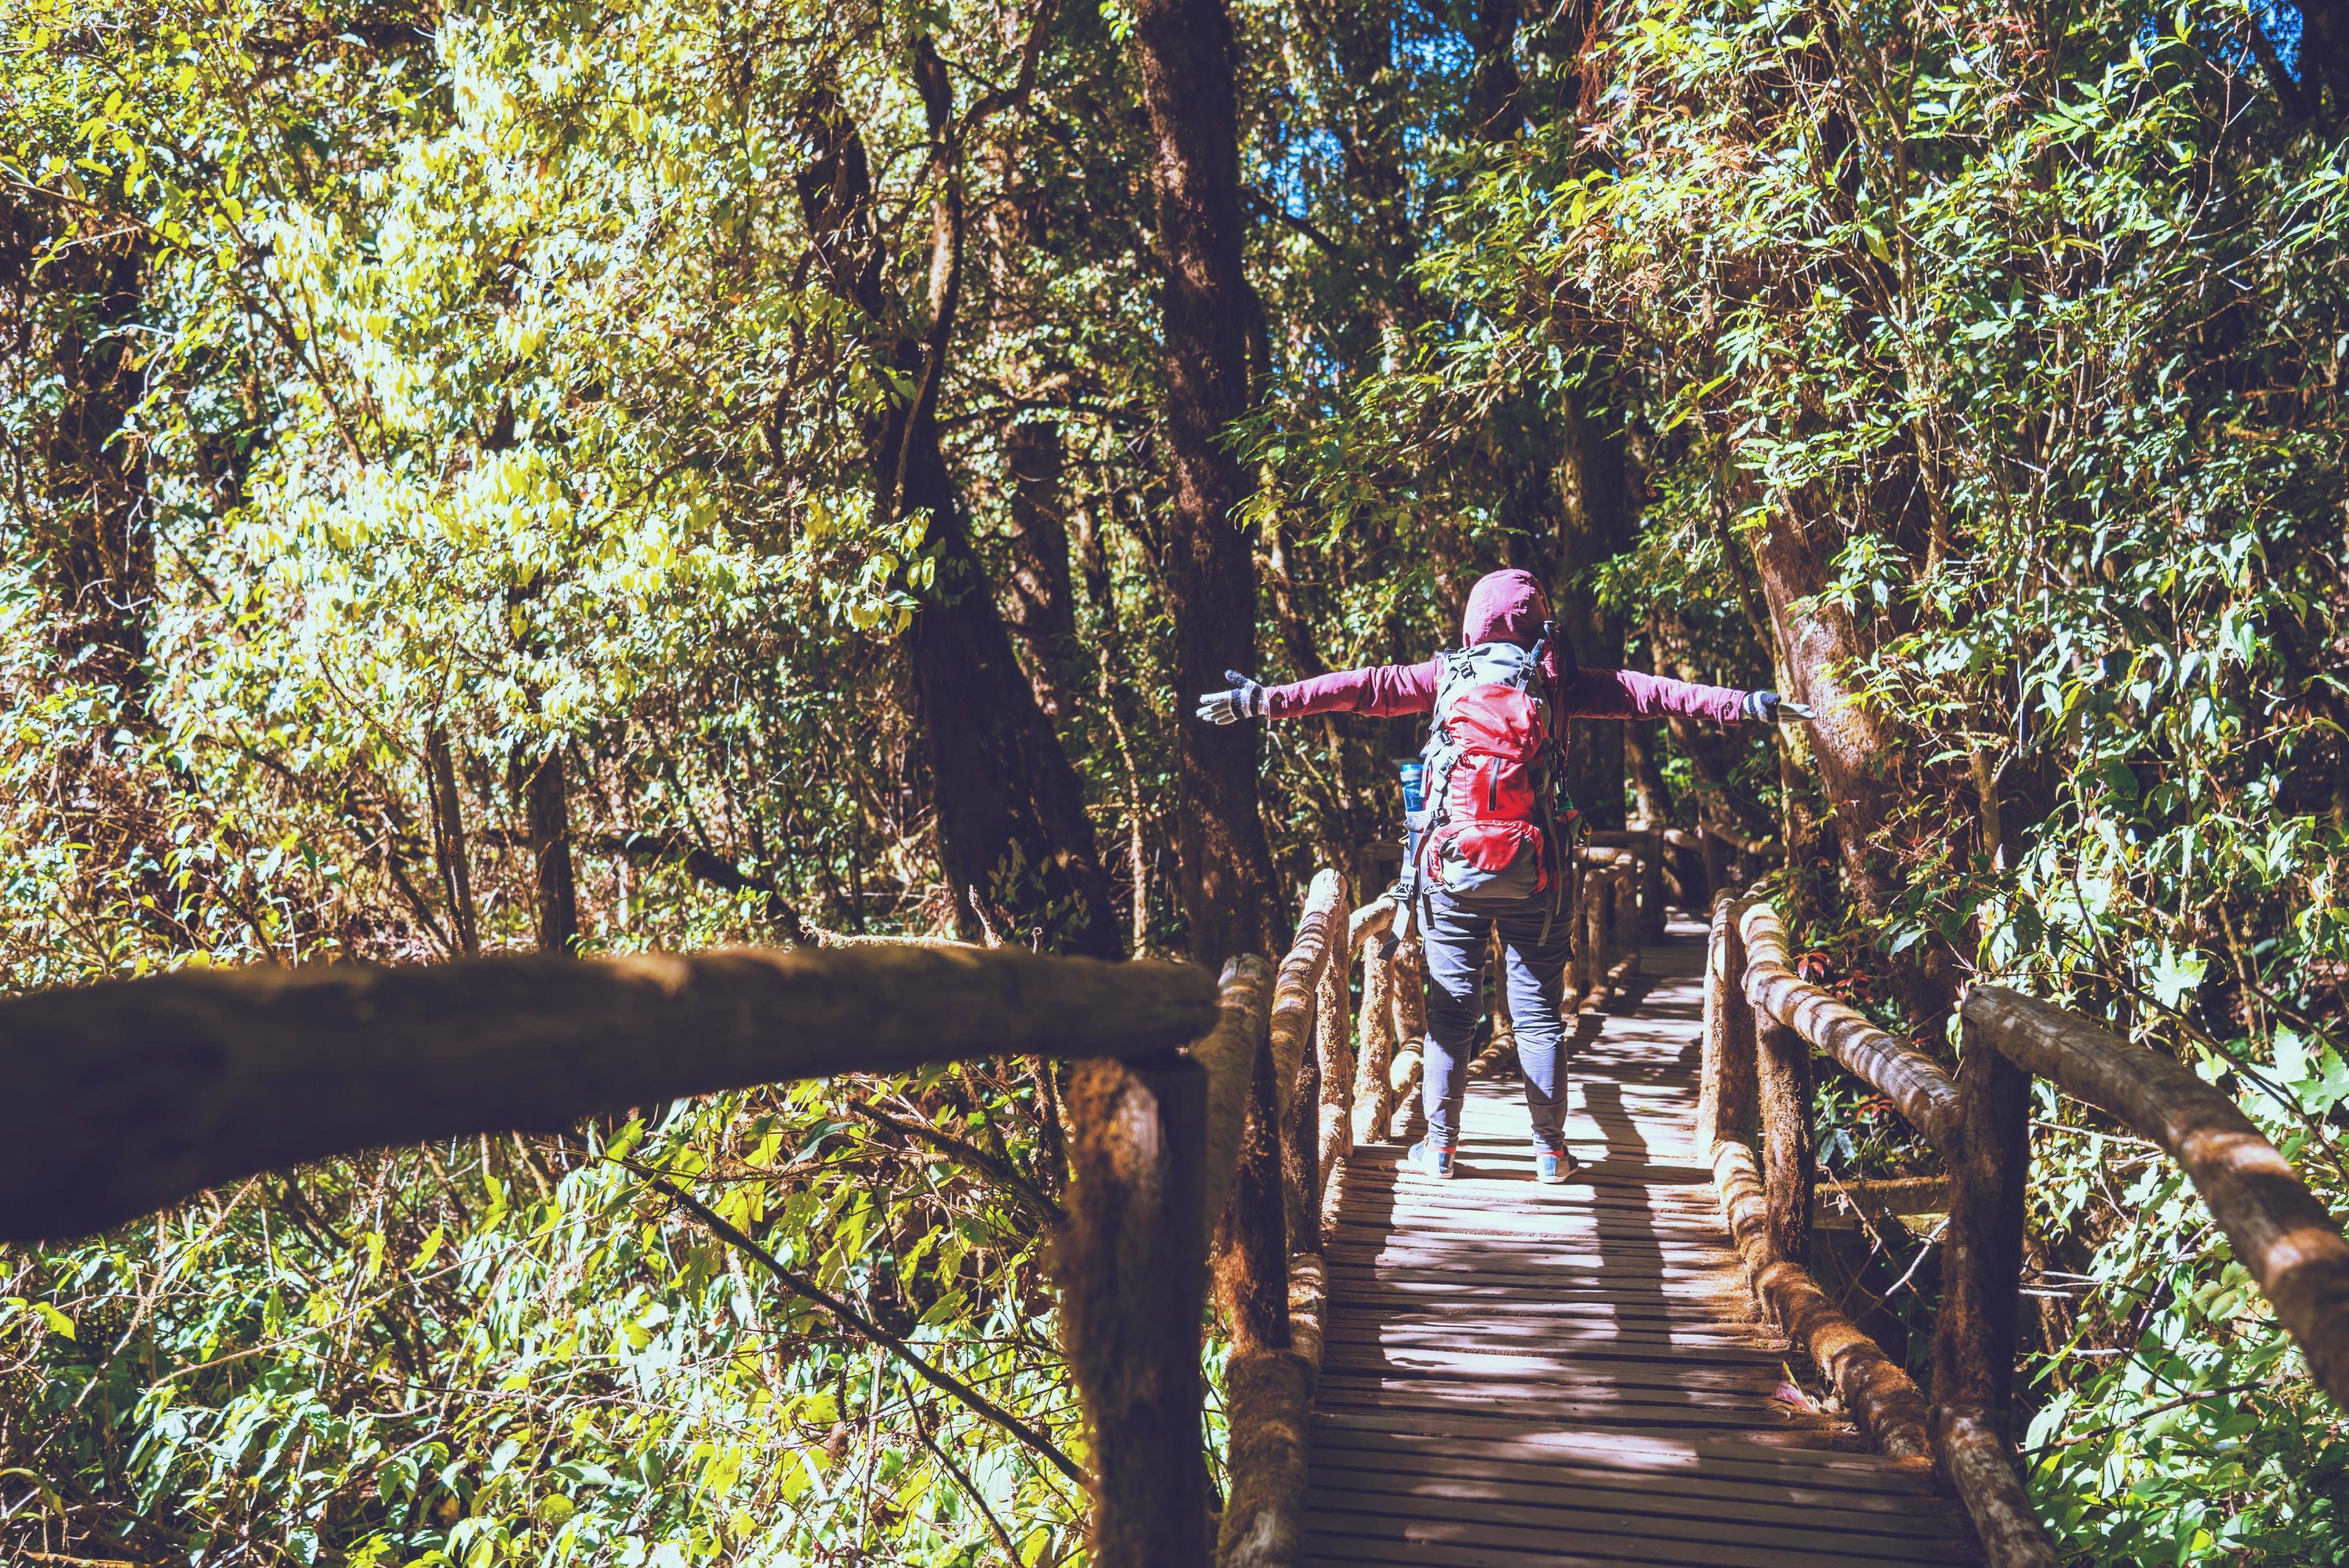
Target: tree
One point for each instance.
(1011, 824)
(1184, 49)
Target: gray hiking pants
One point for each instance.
(1534, 973)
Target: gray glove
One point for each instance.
(1768, 704)
(1244, 700)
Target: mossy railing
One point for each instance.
(1762, 1021)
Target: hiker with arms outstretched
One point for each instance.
(1493, 838)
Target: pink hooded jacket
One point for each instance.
(1505, 608)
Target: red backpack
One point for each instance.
(1493, 836)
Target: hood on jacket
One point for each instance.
(1505, 608)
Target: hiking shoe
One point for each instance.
(1433, 1160)
(1552, 1166)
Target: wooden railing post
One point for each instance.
(1134, 1279)
(1300, 1157)
(2278, 1229)
(1973, 1338)
(1593, 956)
(1251, 1249)
(1407, 997)
(1789, 1167)
(1652, 885)
(1372, 1097)
(1715, 855)
(1630, 920)
(1333, 1041)
(1725, 1089)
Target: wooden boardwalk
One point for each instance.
(1521, 1375)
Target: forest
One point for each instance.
(594, 479)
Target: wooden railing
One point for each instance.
(1316, 1087)
(131, 1095)
(1209, 1125)
(1762, 1023)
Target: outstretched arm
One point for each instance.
(1628, 693)
(1380, 690)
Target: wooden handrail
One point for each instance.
(1964, 1429)
(216, 1075)
(1978, 1122)
(2278, 1229)
(1761, 1199)
(1913, 1081)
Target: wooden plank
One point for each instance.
(1580, 1515)
(1527, 1374)
(1692, 1218)
(1692, 1299)
(1530, 1315)
(1623, 1260)
(1691, 1224)
(1758, 1381)
(1358, 1391)
(1473, 1295)
(1709, 1454)
(1592, 1485)
(1570, 1358)
(1396, 1456)
(1470, 1544)
(1567, 1253)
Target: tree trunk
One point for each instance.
(1010, 809)
(1011, 823)
(449, 850)
(2324, 51)
(1596, 526)
(1184, 50)
(1816, 650)
(1495, 83)
(555, 889)
(1043, 589)
(1641, 742)
(99, 547)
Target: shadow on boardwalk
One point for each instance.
(1518, 1374)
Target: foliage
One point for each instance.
(417, 405)
(2034, 326)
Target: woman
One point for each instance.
(1490, 855)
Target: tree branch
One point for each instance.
(977, 1158)
(872, 1333)
(962, 1479)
